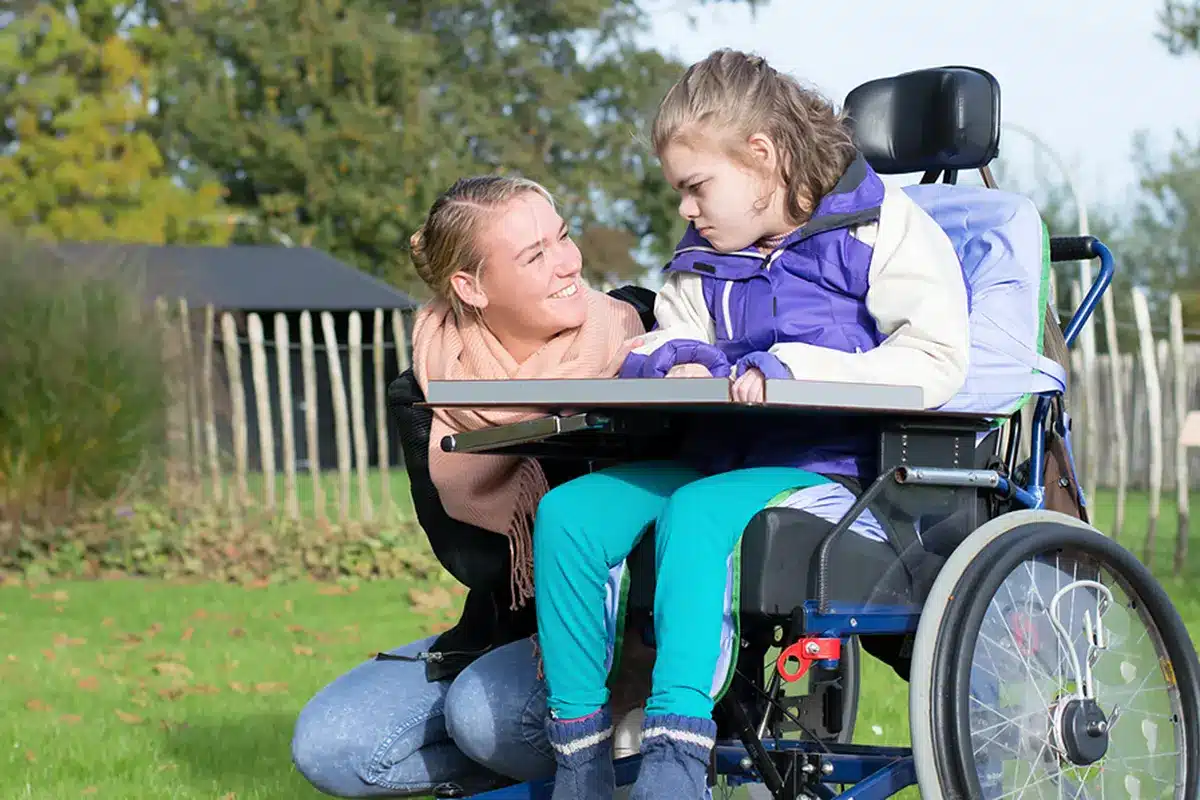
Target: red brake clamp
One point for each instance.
(805, 652)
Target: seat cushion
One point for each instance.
(779, 569)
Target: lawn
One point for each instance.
(138, 689)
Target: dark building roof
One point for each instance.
(257, 277)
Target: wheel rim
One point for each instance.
(1024, 672)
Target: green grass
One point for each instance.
(97, 710)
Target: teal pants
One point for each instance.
(589, 525)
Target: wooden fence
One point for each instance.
(211, 390)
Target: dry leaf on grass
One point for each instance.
(89, 684)
(62, 640)
(240, 688)
(30, 757)
(71, 719)
(426, 602)
(237, 633)
(301, 650)
(90, 790)
(131, 719)
(270, 687)
(332, 590)
(37, 705)
(172, 668)
(187, 635)
(48, 655)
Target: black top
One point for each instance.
(477, 558)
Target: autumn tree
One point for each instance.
(75, 160)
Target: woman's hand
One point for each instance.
(749, 387)
(627, 347)
(689, 371)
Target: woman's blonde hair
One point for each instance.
(448, 241)
(733, 95)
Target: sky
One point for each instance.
(1084, 76)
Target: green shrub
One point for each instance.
(82, 391)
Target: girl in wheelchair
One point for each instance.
(798, 263)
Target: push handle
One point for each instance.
(1073, 248)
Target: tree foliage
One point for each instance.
(337, 122)
(75, 161)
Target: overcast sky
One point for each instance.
(1085, 76)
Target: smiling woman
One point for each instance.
(509, 302)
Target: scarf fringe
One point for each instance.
(533, 487)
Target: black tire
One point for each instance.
(962, 623)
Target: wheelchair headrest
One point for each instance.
(945, 118)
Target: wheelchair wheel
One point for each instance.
(1049, 663)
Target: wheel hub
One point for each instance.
(1080, 731)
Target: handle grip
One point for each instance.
(1073, 248)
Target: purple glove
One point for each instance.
(673, 353)
(767, 363)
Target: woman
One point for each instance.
(509, 302)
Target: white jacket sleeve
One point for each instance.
(918, 301)
(681, 313)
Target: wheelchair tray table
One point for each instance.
(629, 418)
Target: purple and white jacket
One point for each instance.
(869, 290)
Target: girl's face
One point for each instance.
(531, 286)
(732, 204)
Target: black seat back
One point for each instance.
(935, 121)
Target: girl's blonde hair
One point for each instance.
(448, 241)
(734, 95)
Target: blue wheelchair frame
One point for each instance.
(874, 772)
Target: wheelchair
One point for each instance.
(1042, 658)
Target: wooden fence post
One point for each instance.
(1141, 313)
(1180, 392)
(206, 397)
(189, 379)
(359, 423)
(337, 388)
(1118, 432)
(237, 396)
(262, 402)
(283, 365)
(381, 429)
(308, 365)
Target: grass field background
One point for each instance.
(150, 689)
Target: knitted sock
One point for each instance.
(583, 752)
(675, 755)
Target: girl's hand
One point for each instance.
(689, 371)
(749, 387)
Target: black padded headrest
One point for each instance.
(930, 119)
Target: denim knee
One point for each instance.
(495, 712)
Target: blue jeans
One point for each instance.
(382, 730)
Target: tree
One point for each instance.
(337, 122)
(75, 161)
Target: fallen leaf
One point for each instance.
(131, 719)
(62, 640)
(30, 757)
(153, 630)
(90, 790)
(240, 688)
(260, 583)
(187, 635)
(108, 622)
(295, 629)
(287, 606)
(301, 650)
(435, 599)
(75, 672)
(230, 796)
(170, 694)
(199, 613)
(88, 684)
(165, 767)
(202, 688)
(237, 633)
(49, 655)
(171, 668)
(71, 719)
(12, 658)
(140, 699)
(332, 590)
(59, 596)
(270, 687)
(37, 705)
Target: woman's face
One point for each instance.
(531, 287)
